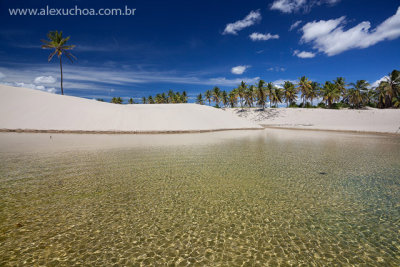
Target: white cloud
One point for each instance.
(44, 80)
(2, 75)
(290, 6)
(32, 86)
(51, 90)
(279, 83)
(287, 6)
(315, 29)
(295, 25)
(255, 36)
(303, 54)
(239, 69)
(250, 19)
(101, 79)
(329, 37)
(377, 82)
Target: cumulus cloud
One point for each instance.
(290, 6)
(45, 80)
(239, 69)
(255, 36)
(303, 54)
(252, 18)
(329, 36)
(2, 75)
(295, 25)
(377, 82)
(279, 83)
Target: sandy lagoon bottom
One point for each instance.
(229, 198)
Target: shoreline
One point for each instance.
(124, 132)
(264, 126)
(330, 130)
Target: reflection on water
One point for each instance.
(229, 198)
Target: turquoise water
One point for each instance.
(272, 197)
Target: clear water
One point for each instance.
(258, 198)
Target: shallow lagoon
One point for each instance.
(227, 198)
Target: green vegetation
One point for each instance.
(163, 98)
(117, 100)
(333, 94)
(58, 43)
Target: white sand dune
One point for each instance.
(25, 109)
(364, 120)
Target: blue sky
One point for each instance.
(195, 45)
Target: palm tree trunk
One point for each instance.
(62, 91)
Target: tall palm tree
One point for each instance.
(391, 86)
(314, 91)
(233, 95)
(304, 86)
(261, 94)
(289, 93)
(277, 96)
(370, 98)
(330, 93)
(158, 99)
(270, 90)
(224, 98)
(163, 98)
(357, 94)
(208, 96)
(249, 95)
(171, 96)
(184, 97)
(216, 95)
(380, 94)
(199, 99)
(150, 100)
(144, 101)
(354, 97)
(131, 101)
(58, 43)
(341, 85)
(241, 92)
(177, 98)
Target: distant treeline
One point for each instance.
(163, 98)
(333, 94)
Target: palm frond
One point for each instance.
(70, 56)
(52, 55)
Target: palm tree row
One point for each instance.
(332, 94)
(163, 98)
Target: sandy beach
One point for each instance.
(31, 110)
(355, 120)
(35, 111)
